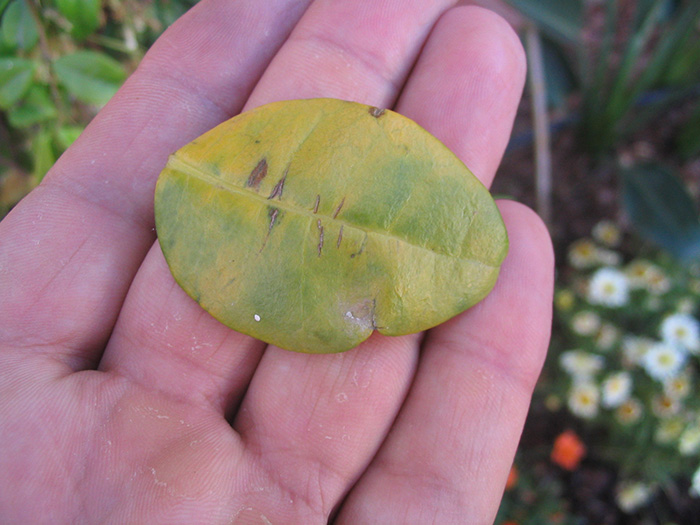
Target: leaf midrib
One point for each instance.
(177, 163)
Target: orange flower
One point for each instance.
(568, 450)
(512, 478)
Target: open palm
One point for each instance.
(121, 400)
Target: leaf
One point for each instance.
(66, 135)
(89, 76)
(3, 5)
(688, 139)
(18, 28)
(661, 209)
(36, 107)
(561, 19)
(15, 78)
(311, 223)
(84, 15)
(558, 75)
(43, 156)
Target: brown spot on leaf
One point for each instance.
(320, 236)
(340, 237)
(337, 210)
(318, 200)
(279, 187)
(273, 217)
(376, 112)
(257, 175)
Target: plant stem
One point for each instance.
(543, 157)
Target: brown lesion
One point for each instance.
(340, 237)
(337, 210)
(274, 212)
(376, 112)
(318, 201)
(320, 236)
(257, 175)
(279, 187)
(362, 248)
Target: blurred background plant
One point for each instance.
(610, 128)
(60, 62)
(614, 430)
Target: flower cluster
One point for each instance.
(629, 350)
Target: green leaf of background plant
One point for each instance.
(661, 209)
(3, 5)
(310, 224)
(84, 15)
(688, 139)
(89, 76)
(43, 155)
(34, 108)
(18, 28)
(15, 78)
(66, 135)
(561, 19)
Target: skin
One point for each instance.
(123, 401)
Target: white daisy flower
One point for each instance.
(583, 254)
(663, 361)
(657, 282)
(583, 400)
(607, 233)
(689, 442)
(668, 430)
(677, 387)
(695, 484)
(681, 329)
(616, 389)
(637, 271)
(631, 496)
(585, 322)
(580, 364)
(629, 412)
(608, 257)
(608, 287)
(607, 336)
(664, 406)
(686, 305)
(634, 348)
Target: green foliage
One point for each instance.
(688, 139)
(561, 19)
(16, 75)
(83, 15)
(661, 209)
(655, 50)
(60, 61)
(89, 76)
(18, 28)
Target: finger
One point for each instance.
(69, 251)
(340, 439)
(448, 454)
(313, 62)
(470, 111)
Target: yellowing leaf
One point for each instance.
(309, 224)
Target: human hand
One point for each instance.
(121, 400)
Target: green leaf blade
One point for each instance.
(91, 77)
(18, 27)
(84, 16)
(661, 209)
(313, 247)
(15, 79)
